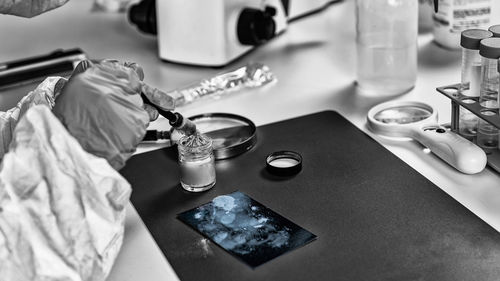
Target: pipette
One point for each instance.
(175, 119)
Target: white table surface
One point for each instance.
(314, 61)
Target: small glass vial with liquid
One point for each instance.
(487, 134)
(197, 162)
(471, 78)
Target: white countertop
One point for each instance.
(314, 61)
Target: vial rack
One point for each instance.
(472, 104)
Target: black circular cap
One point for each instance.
(470, 38)
(284, 163)
(495, 29)
(256, 26)
(490, 48)
(143, 15)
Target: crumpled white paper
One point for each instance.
(45, 93)
(62, 210)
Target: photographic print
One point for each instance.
(246, 229)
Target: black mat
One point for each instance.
(375, 217)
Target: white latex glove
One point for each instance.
(62, 210)
(102, 108)
(28, 8)
(44, 94)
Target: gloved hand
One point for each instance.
(102, 108)
(28, 8)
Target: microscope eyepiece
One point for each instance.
(143, 15)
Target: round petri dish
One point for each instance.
(231, 134)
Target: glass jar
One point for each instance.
(386, 39)
(197, 163)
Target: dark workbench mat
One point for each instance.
(375, 217)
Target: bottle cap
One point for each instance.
(284, 163)
(490, 48)
(495, 29)
(470, 38)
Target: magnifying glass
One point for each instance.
(418, 121)
(231, 134)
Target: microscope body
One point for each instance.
(215, 32)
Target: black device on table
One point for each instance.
(19, 77)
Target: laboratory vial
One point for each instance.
(386, 40)
(197, 162)
(471, 78)
(471, 61)
(489, 49)
(495, 29)
(487, 134)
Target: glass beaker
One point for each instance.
(386, 38)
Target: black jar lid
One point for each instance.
(490, 48)
(470, 38)
(284, 163)
(495, 29)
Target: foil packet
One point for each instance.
(252, 75)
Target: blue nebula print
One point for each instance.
(246, 228)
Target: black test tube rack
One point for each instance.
(472, 104)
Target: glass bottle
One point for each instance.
(197, 162)
(386, 37)
(471, 78)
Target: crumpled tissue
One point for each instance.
(62, 210)
(45, 93)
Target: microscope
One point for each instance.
(209, 32)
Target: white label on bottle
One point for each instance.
(470, 14)
(455, 16)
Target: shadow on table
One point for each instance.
(434, 56)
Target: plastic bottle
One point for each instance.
(386, 46)
(455, 16)
(471, 78)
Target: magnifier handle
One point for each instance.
(460, 153)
